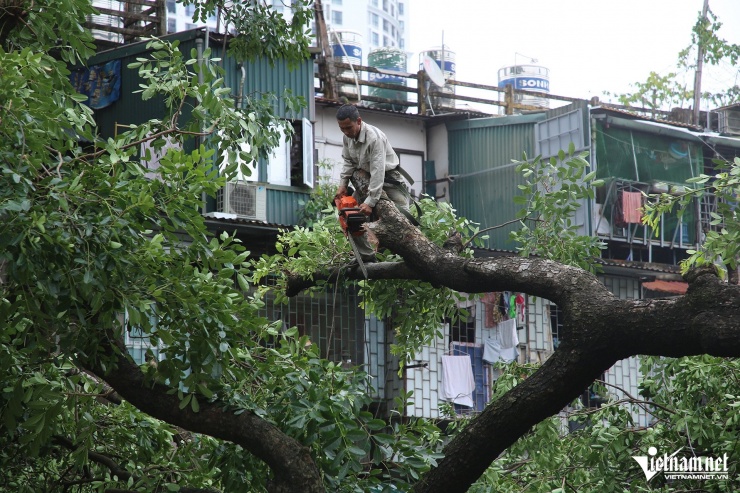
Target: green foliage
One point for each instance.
(720, 244)
(92, 250)
(261, 30)
(49, 24)
(422, 308)
(321, 202)
(59, 431)
(692, 405)
(658, 92)
(553, 192)
(705, 34)
(665, 92)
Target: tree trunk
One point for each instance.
(294, 470)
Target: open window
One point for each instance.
(151, 155)
(292, 163)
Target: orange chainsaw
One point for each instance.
(351, 220)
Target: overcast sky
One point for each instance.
(590, 46)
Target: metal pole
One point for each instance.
(699, 66)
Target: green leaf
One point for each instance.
(184, 402)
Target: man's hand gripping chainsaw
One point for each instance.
(351, 220)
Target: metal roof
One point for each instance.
(438, 118)
(218, 218)
(732, 106)
(633, 115)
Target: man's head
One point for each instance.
(349, 120)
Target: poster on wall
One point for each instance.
(100, 83)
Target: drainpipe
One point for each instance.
(699, 65)
(240, 95)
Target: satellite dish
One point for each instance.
(433, 71)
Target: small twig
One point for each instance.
(499, 226)
(635, 400)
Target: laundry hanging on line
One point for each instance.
(458, 383)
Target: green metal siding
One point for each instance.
(130, 109)
(284, 204)
(262, 77)
(480, 158)
(586, 114)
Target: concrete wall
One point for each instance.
(537, 341)
(406, 135)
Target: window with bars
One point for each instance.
(556, 324)
(332, 320)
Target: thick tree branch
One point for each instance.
(183, 489)
(560, 379)
(290, 462)
(379, 270)
(599, 330)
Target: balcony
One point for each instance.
(120, 22)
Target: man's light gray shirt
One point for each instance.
(371, 152)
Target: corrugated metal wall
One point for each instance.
(480, 158)
(262, 77)
(585, 114)
(129, 109)
(283, 205)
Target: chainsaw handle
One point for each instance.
(349, 209)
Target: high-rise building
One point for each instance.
(380, 23)
(180, 18)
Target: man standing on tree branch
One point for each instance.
(366, 148)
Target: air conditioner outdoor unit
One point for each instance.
(729, 122)
(245, 200)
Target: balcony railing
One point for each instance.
(127, 21)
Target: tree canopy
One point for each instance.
(671, 90)
(92, 249)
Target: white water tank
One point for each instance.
(528, 78)
(346, 47)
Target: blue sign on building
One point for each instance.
(527, 83)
